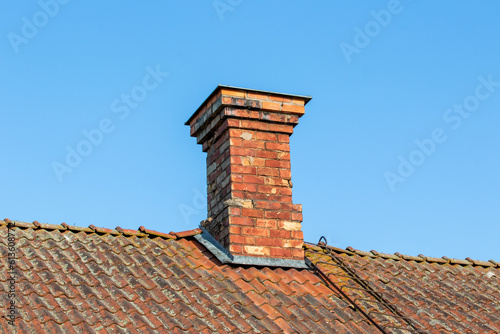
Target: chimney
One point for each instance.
(251, 216)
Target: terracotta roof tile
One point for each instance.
(75, 279)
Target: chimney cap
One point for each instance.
(219, 87)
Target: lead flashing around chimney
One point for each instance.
(223, 255)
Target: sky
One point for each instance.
(398, 150)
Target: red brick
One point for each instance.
(268, 189)
(293, 108)
(281, 252)
(278, 163)
(268, 205)
(258, 96)
(243, 221)
(271, 106)
(232, 92)
(293, 243)
(277, 146)
(284, 215)
(268, 171)
(274, 242)
(266, 136)
(281, 128)
(298, 253)
(253, 179)
(280, 234)
(285, 173)
(236, 249)
(234, 229)
(266, 223)
(239, 239)
(283, 138)
(253, 144)
(280, 99)
(254, 125)
(252, 213)
(247, 152)
(271, 214)
(296, 216)
(286, 191)
(236, 142)
(235, 211)
(266, 154)
(244, 187)
(243, 169)
(261, 232)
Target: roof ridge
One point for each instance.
(420, 258)
(143, 232)
(140, 232)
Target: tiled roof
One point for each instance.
(85, 280)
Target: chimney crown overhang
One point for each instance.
(251, 217)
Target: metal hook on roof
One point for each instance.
(323, 238)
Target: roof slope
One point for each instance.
(80, 280)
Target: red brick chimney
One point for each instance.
(246, 136)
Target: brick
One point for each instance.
(284, 234)
(277, 146)
(256, 250)
(267, 105)
(259, 96)
(285, 173)
(231, 92)
(260, 232)
(284, 156)
(268, 171)
(278, 163)
(266, 154)
(296, 216)
(297, 207)
(281, 252)
(283, 128)
(274, 242)
(248, 152)
(244, 187)
(293, 108)
(239, 239)
(290, 226)
(235, 123)
(234, 229)
(266, 223)
(283, 138)
(253, 144)
(284, 215)
(236, 249)
(293, 243)
(252, 213)
(271, 214)
(243, 169)
(286, 191)
(268, 205)
(235, 211)
(236, 177)
(243, 221)
(268, 189)
(236, 142)
(254, 125)
(253, 179)
(266, 136)
(275, 181)
(298, 253)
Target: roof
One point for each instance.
(80, 280)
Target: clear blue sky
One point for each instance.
(383, 76)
